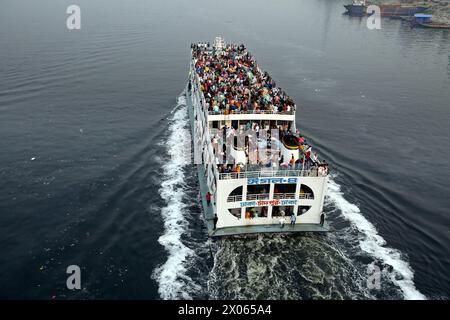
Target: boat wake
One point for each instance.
(307, 266)
(400, 272)
(173, 276)
(284, 267)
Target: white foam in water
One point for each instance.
(171, 276)
(374, 244)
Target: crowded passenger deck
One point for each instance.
(231, 82)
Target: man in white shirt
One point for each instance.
(282, 221)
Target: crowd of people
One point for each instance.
(308, 160)
(231, 82)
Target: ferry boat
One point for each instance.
(359, 8)
(356, 8)
(400, 10)
(256, 173)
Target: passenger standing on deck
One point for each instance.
(292, 162)
(282, 221)
(293, 219)
(215, 221)
(315, 157)
(298, 163)
(322, 219)
(208, 198)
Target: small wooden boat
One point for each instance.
(425, 20)
(435, 25)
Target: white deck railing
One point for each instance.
(284, 195)
(260, 196)
(305, 196)
(222, 112)
(234, 198)
(269, 174)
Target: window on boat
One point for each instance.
(306, 192)
(235, 195)
(279, 211)
(236, 212)
(284, 191)
(215, 124)
(302, 210)
(256, 212)
(258, 192)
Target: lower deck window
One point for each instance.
(302, 210)
(235, 195)
(236, 212)
(258, 192)
(256, 212)
(306, 192)
(280, 211)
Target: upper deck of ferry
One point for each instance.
(232, 83)
(239, 100)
